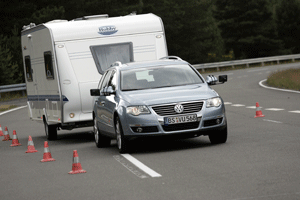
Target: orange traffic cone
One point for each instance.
(1, 132)
(47, 155)
(6, 135)
(76, 166)
(30, 146)
(15, 141)
(258, 111)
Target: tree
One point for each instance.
(191, 31)
(8, 66)
(248, 28)
(288, 24)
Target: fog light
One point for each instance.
(72, 115)
(218, 121)
(139, 130)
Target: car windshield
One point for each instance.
(157, 77)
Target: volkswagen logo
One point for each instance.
(178, 108)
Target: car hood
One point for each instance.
(168, 95)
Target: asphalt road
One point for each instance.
(259, 161)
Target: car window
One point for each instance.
(162, 76)
(101, 80)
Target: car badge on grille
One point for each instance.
(178, 108)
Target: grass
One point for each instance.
(7, 108)
(8, 96)
(285, 79)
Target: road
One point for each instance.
(259, 161)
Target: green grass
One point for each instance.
(10, 107)
(8, 96)
(285, 79)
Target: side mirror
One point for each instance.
(223, 78)
(107, 91)
(95, 92)
(212, 80)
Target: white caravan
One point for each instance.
(63, 60)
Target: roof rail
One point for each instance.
(171, 58)
(117, 63)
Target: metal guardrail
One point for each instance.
(218, 65)
(246, 62)
(12, 88)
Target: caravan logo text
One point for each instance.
(107, 30)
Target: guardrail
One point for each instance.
(247, 62)
(12, 88)
(218, 65)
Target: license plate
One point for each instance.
(180, 119)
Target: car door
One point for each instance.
(107, 104)
(99, 102)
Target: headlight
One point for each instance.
(137, 110)
(214, 102)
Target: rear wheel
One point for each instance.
(219, 137)
(122, 142)
(51, 131)
(100, 140)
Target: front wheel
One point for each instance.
(219, 137)
(100, 140)
(51, 131)
(122, 143)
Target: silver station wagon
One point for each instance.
(166, 97)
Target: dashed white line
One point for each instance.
(272, 121)
(251, 107)
(274, 109)
(141, 165)
(295, 111)
(237, 105)
(227, 103)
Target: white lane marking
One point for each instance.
(227, 103)
(295, 111)
(272, 121)
(274, 109)
(251, 107)
(237, 105)
(12, 110)
(267, 87)
(141, 165)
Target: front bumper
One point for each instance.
(208, 120)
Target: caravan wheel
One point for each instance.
(51, 131)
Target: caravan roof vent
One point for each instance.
(171, 58)
(56, 21)
(104, 16)
(31, 25)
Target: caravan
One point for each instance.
(64, 59)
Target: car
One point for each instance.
(165, 97)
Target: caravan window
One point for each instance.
(105, 55)
(28, 68)
(48, 65)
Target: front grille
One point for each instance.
(165, 110)
(180, 127)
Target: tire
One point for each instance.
(51, 131)
(100, 140)
(122, 142)
(219, 137)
